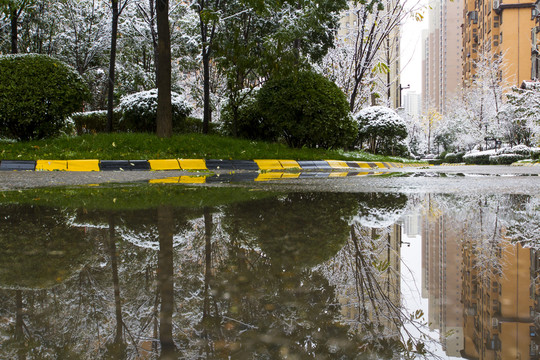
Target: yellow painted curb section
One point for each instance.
(180, 180)
(363, 165)
(83, 165)
(51, 165)
(336, 164)
(165, 164)
(380, 165)
(290, 175)
(269, 164)
(269, 176)
(192, 179)
(192, 164)
(289, 164)
(338, 174)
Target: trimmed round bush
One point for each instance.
(381, 129)
(139, 111)
(37, 94)
(250, 122)
(505, 159)
(454, 158)
(478, 157)
(306, 109)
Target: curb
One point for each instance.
(195, 164)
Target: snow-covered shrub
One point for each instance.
(518, 149)
(535, 153)
(306, 109)
(478, 157)
(139, 111)
(380, 129)
(94, 121)
(454, 158)
(506, 159)
(37, 94)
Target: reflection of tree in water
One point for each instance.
(242, 283)
(366, 274)
(38, 252)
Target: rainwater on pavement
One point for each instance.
(420, 264)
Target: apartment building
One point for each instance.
(441, 55)
(501, 28)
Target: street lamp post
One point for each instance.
(401, 88)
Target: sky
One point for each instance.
(411, 53)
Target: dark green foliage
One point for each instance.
(454, 158)
(37, 94)
(94, 121)
(506, 159)
(480, 159)
(250, 122)
(306, 109)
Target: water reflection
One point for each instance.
(198, 273)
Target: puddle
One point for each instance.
(191, 272)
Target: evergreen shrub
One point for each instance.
(37, 95)
(382, 130)
(250, 122)
(94, 121)
(306, 109)
(454, 158)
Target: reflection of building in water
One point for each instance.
(441, 279)
(412, 224)
(384, 279)
(499, 303)
(481, 291)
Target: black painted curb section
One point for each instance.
(124, 165)
(17, 165)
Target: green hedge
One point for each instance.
(37, 95)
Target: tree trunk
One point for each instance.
(165, 281)
(207, 113)
(14, 31)
(116, 283)
(112, 63)
(164, 107)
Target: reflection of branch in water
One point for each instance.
(365, 264)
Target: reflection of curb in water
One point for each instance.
(195, 164)
(259, 177)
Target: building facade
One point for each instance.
(501, 29)
(441, 59)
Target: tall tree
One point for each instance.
(359, 57)
(13, 9)
(164, 106)
(258, 39)
(117, 6)
(208, 11)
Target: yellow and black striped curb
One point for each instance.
(260, 177)
(196, 164)
(525, 164)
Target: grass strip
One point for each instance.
(135, 146)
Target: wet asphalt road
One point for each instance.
(436, 179)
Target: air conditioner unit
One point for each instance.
(496, 4)
(534, 12)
